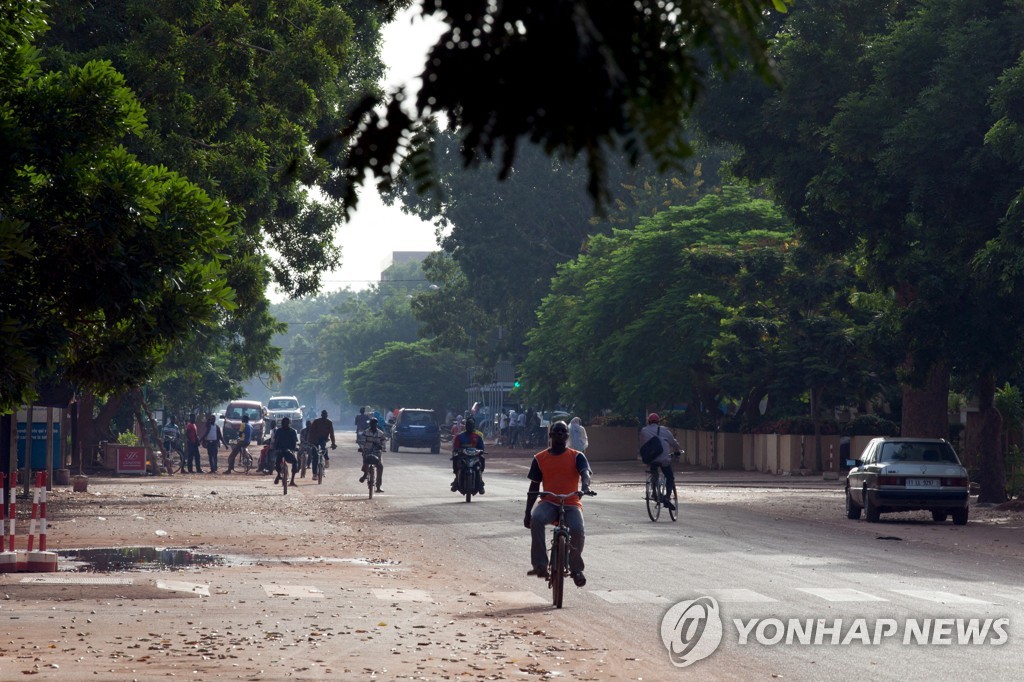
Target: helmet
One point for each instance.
(653, 418)
(560, 427)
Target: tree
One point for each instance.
(580, 78)
(504, 239)
(108, 262)
(407, 375)
(889, 157)
(237, 93)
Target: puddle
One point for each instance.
(122, 559)
(116, 559)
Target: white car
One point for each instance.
(280, 406)
(906, 474)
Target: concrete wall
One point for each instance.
(768, 452)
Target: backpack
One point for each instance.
(652, 449)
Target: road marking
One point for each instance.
(515, 597)
(632, 597)
(940, 597)
(738, 596)
(76, 580)
(401, 595)
(294, 591)
(839, 594)
(179, 586)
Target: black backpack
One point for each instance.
(652, 449)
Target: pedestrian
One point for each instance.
(212, 438)
(192, 446)
(503, 429)
(577, 435)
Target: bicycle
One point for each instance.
(558, 563)
(371, 461)
(317, 460)
(282, 468)
(174, 456)
(656, 495)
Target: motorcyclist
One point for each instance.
(470, 438)
(373, 443)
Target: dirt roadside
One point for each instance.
(308, 594)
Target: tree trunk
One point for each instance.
(984, 443)
(925, 408)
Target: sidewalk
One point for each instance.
(628, 470)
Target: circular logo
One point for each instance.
(691, 631)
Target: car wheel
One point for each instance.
(939, 516)
(852, 508)
(871, 512)
(960, 517)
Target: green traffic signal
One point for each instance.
(516, 384)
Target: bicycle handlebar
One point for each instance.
(578, 493)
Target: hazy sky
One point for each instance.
(375, 229)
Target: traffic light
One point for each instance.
(516, 384)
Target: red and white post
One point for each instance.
(39, 561)
(8, 557)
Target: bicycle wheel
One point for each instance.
(303, 460)
(673, 511)
(319, 459)
(283, 470)
(371, 474)
(557, 568)
(652, 493)
(246, 461)
(174, 462)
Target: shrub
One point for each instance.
(127, 438)
(871, 425)
(615, 420)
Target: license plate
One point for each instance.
(922, 483)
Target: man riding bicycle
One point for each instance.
(669, 446)
(470, 438)
(317, 434)
(244, 438)
(373, 443)
(283, 447)
(562, 470)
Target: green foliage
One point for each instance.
(408, 375)
(1010, 404)
(237, 93)
(127, 438)
(107, 262)
(509, 72)
(615, 420)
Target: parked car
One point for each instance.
(286, 406)
(415, 428)
(906, 474)
(233, 418)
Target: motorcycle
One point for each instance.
(469, 467)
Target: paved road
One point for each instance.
(419, 584)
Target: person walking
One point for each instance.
(577, 435)
(212, 437)
(192, 446)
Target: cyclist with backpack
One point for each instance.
(669, 445)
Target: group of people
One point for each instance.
(562, 468)
(206, 435)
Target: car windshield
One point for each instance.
(417, 419)
(283, 404)
(236, 412)
(918, 452)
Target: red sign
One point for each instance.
(131, 460)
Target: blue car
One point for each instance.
(415, 428)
